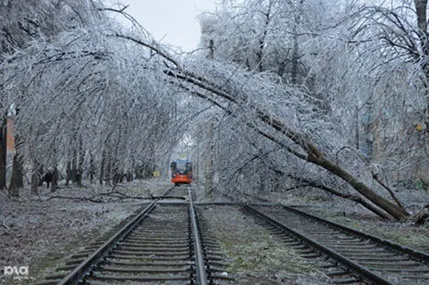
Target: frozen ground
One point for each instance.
(255, 256)
(355, 216)
(40, 231)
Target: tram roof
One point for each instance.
(182, 161)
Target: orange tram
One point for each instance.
(181, 172)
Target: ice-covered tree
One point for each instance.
(92, 90)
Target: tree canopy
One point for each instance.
(298, 93)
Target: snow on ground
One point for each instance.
(357, 217)
(254, 254)
(39, 231)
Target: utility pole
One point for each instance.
(211, 49)
(209, 171)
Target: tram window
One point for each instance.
(181, 167)
(188, 167)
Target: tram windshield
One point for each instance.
(181, 167)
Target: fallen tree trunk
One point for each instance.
(350, 197)
(294, 142)
(308, 182)
(316, 157)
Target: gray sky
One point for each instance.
(173, 20)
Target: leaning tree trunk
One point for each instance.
(315, 156)
(308, 152)
(337, 193)
(312, 153)
(396, 211)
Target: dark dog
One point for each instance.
(46, 178)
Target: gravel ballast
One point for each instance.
(41, 231)
(256, 256)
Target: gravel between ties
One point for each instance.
(256, 257)
(42, 233)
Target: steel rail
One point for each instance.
(85, 266)
(356, 268)
(198, 248)
(396, 247)
(220, 204)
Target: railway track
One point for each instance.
(162, 244)
(346, 255)
(167, 243)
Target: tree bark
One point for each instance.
(394, 210)
(91, 168)
(295, 52)
(35, 178)
(129, 176)
(108, 170)
(421, 11)
(16, 180)
(209, 171)
(315, 184)
(80, 159)
(103, 161)
(3, 152)
(260, 52)
(73, 169)
(350, 197)
(54, 184)
(68, 173)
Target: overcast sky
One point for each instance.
(173, 20)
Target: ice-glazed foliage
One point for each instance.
(288, 91)
(260, 35)
(88, 89)
(261, 39)
(267, 91)
(359, 80)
